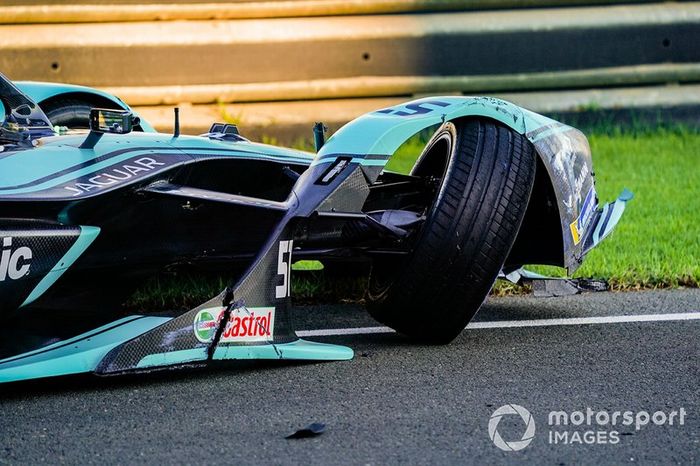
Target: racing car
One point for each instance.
(87, 216)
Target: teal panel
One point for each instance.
(296, 350)
(173, 358)
(76, 355)
(245, 147)
(61, 154)
(73, 175)
(383, 131)
(87, 236)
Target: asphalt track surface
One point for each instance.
(395, 402)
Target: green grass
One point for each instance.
(185, 291)
(656, 244)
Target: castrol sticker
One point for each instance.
(245, 324)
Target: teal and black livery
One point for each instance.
(85, 218)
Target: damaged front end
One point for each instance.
(248, 320)
(325, 212)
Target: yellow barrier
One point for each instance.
(54, 12)
(378, 86)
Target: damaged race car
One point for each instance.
(88, 216)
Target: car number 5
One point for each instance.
(284, 268)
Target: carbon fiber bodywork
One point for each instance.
(132, 205)
(31, 250)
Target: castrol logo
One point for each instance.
(245, 324)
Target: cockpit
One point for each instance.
(21, 119)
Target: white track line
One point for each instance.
(518, 323)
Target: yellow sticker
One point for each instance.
(574, 232)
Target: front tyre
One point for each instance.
(73, 112)
(467, 235)
(69, 112)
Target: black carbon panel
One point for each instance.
(175, 335)
(31, 249)
(568, 161)
(349, 196)
(259, 287)
(256, 289)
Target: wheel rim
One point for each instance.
(383, 273)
